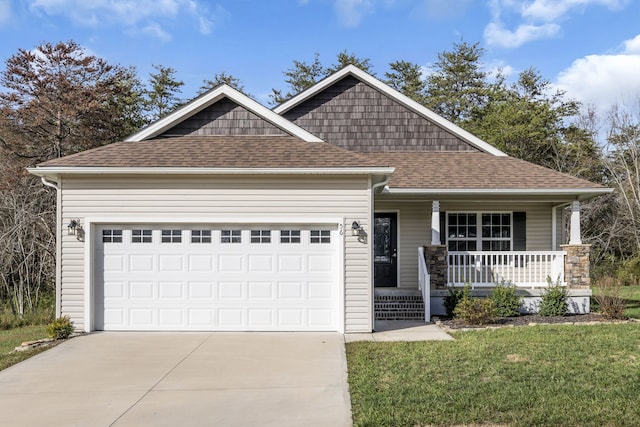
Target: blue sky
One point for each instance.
(590, 48)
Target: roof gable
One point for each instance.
(441, 128)
(213, 96)
(224, 117)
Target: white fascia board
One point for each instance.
(588, 192)
(211, 97)
(56, 171)
(394, 94)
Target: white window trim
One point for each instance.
(478, 239)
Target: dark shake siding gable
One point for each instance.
(225, 117)
(355, 116)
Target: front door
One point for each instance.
(385, 250)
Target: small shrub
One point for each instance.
(506, 301)
(609, 298)
(455, 296)
(476, 311)
(60, 328)
(554, 300)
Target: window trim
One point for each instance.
(287, 238)
(479, 239)
(321, 238)
(234, 236)
(144, 237)
(197, 236)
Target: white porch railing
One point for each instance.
(424, 284)
(521, 268)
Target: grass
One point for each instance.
(10, 339)
(545, 376)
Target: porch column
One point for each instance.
(574, 236)
(435, 223)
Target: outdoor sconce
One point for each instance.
(73, 227)
(355, 228)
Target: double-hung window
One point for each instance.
(479, 231)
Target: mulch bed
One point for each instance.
(526, 320)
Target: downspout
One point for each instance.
(55, 185)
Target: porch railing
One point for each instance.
(424, 284)
(521, 268)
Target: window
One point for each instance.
(200, 236)
(140, 236)
(462, 231)
(230, 236)
(112, 236)
(171, 236)
(260, 236)
(320, 236)
(289, 236)
(495, 231)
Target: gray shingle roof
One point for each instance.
(257, 151)
(473, 170)
(425, 170)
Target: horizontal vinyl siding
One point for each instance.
(414, 222)
(254, 199)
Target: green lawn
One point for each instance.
(543, 376)
(12, 338)
(632, 295)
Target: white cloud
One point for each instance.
(552, 10)
(5, 11)
(155, 30)
(351, 12)
(496, 35)
(604, 80)
(533, 19)
(138, 16)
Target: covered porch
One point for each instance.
(518, 241)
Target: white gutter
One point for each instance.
(49, 184)
(58, 243)
(52, 171)
(502, 191)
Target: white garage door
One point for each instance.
(225, 278)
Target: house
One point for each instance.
(226, 215)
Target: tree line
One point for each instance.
(57, 100)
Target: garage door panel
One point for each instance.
(170, 263)
(207, 285)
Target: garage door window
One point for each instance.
(320, 236)
(141, 236)
(171, 236)
(289, 236)
(200, 236)
(230, 236)
(260, 236)
(112, 236)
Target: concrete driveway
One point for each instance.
(181, 379)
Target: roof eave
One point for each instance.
(211, 97)
(72, 170)
(403, 99)
(580, 193)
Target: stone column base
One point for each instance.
(436, 258)
(576, 265)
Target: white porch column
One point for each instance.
(574, 230)
(435, 223)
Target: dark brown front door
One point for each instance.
(385, 250)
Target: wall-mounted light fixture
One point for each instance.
(355, 228)
(73, 227)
